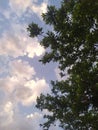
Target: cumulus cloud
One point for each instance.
(27, 93)
(6, 114)
(12, 119)
(21, 70)
(19, 73)
(34, 49)
(17, 43)
(39, 9)
(35, 87)
(19, 6)
(9, 45)
(8, 84)
(20, 87)
(28, 122)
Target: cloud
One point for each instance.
(19, 6)
(34, 48)
(19, 72)
(6, 114)
(11, 119)
(17, 43)
(39, 9)
(29, 91)
(22, 85)
(36, 87)
(21, 69)
(9, 45)
(37, 118)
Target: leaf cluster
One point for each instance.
(73, 43)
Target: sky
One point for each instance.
(22, 76)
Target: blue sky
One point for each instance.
(22, 77)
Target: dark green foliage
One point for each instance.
(34, 30)
(49, 17)
(74, 45)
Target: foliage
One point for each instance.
(74, 45)
(34, 30)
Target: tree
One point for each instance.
(74, 45)
(34, 30)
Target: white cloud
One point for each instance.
(19, 6)
(9, 45)
(8, 84)
(39, 9)
(18, 121)
(6, 113)
(17, 43)
(34, 116)
(22, 85)
(34, 49)
(35, 88)
(19, 73)
(12, 119)
(27, 93)
(21, 69)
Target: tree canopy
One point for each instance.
(73, 43)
